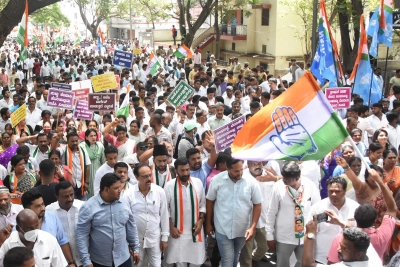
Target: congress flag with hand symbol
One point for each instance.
(298, 125)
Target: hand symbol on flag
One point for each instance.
(292, 138)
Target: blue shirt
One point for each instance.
(233, 206)
(14, 108)
(52, 225)
(202, 173)
(105, 232)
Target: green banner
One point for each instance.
(180, 94)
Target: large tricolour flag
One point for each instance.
(365, 84)
(22, 36)
(381, 26)
(183, 52)
(153, 65)
(298, 125)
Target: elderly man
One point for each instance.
(219, 119)
(44, 246)
(8, 210)
(152, 223)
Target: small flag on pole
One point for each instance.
(183, 52)
(22, 36)
(153, 65)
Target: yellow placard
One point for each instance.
(18, 115)
(104, 82)
(137, 51)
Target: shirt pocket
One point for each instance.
(44, 262)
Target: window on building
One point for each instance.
(265, 17)
(264, 49)
(233, 46)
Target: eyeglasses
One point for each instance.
(143, 148)
(146, 176)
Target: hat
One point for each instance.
(4, 189)
(190, 125)
(160, 150)
(229, 87)
(246, 63)
(212, 56)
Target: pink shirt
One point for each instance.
(379, 238)
(210, 176)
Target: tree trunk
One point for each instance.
(349, 53)
(12, 13)
(92, 27)
(182, 21)
(217, 32)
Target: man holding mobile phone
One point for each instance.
(343, 206)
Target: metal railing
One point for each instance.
(233, 30)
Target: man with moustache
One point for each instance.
(148, 204)
(40, 151)
(121, 169)
(160, 169)
(235, 202)
(67, 209)
(247, 257)
(106, 232)
(186, 204)
(8, 210)
(48, 221)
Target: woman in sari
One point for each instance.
(125, 145)
(355, 166)
(9, 129)
(19, 180)
(7, 149)
(392, 177)
(368, 191)
(22, 127)
(134, 132)
(95, 150)
(62, 171)
(89, 125)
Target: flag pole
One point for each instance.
(370, 88)
(384, 80)
(358, 152)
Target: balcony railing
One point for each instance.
(233, 30)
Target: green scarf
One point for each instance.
(94, 152)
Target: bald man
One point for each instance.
(44, 246)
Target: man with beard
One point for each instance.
(41, 150)
(8, 210)
(43, 245)
(121, 169)
(354, 248)
(157, 129)
(198, 168)
(77, 159)
(247, 257)
(160, 169)
(152, 223)
(48, 221)
(186, 204)
(67, 208)
(235, 202)
(106, 232)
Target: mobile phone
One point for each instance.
(322, 217)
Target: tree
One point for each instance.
(50, 15)
(11, 14)
(99, 10)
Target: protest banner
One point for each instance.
(180, 94)
(101, 102)
(137, 51)
(18, 115)
(104, 82)
(81, 111)
(62, 86)
(60, 99)
(85, 44)
(339, 97)
(81, 94)
(225, 135)
(123, 59)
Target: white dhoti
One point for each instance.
(184, 250)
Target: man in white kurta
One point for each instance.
(182, 248)
(149, 208)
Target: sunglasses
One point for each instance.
(143, 148)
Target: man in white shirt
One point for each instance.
(247, 256)
(344, 207)
(67, 209)
(45, 70)
(33, 114)
(197, 57)
(377, 120)
(81, 74)
(219, 119)
(228, 96)
(56, 70)
(5, 118)
(291, 200)
(393, 129)
(300, 71)
(44, 246)
(149, 208)
(6, 102)
(201, 119)
(8, 210)
(142, 74)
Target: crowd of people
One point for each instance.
(151, 188)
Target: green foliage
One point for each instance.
(50, 15)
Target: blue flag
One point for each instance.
(362, 84)
(381, 29)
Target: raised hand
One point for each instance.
(292, 138)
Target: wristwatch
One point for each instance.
(310, 236)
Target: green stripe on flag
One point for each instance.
(327, 138)
(365, 57)
(178, 54)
